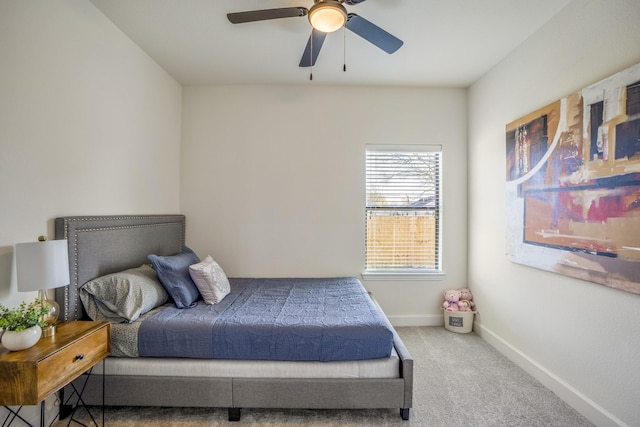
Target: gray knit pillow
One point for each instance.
(123, 296)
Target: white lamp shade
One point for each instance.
(42, 265)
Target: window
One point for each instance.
(633, 99)
(628, 132)
(402, 209)
(596, 112)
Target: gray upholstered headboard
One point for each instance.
(100, 245)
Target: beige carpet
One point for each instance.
(459, 380)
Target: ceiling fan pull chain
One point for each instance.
(344, 48)
(311, 56)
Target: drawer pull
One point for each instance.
(79, 356)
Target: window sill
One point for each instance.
(401, 276)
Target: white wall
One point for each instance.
(89, 124)
(273, 180)
(581, 339)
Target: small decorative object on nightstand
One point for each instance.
(21, 326)
(43, 265)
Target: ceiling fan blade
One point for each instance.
(315, 43)
(265, 14)
(352, 2)
(372, 33)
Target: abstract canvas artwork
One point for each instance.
(573, 184)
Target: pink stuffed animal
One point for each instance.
(466, 300)
(451, 298)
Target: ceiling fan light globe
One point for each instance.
(327, 17)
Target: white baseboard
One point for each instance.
(578, 401)
(423, 320)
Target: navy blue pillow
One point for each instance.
(173, 272)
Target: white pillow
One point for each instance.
(211, 281)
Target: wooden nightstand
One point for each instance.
(27, 377)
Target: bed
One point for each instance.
(103, 245)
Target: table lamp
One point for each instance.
(40, 266)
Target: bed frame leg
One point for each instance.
(234, 414)
(404, 413)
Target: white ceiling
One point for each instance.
(446, 42)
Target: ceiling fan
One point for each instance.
(325, 16)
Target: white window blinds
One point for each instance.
(402, 208)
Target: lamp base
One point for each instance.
(51, 318)
(48, 331)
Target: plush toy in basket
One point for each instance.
(459, 310)
(451, 300)
(466, 302)
(458, 300)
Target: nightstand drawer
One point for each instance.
(71, 361)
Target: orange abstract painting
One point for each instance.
(573, 184)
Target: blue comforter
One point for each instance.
(274, 319)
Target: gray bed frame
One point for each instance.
(100, 245)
